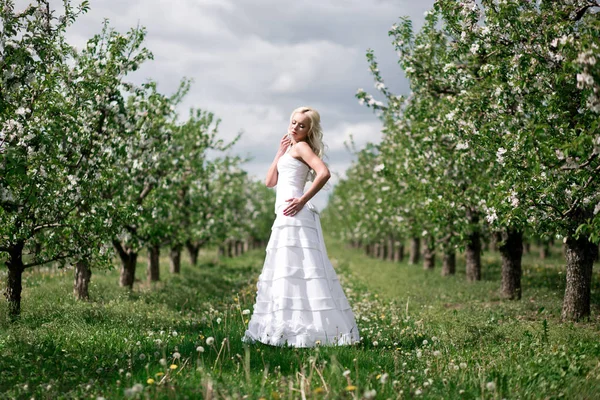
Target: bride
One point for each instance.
(299, 301)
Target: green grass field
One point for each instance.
(423, 336)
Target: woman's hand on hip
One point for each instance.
(294, 206)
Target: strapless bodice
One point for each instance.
(291, 180)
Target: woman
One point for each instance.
(299, 300)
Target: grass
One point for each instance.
(424, 336)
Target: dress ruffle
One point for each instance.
(299, 300)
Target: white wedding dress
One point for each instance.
(299, 301)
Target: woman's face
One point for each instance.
(299, 127)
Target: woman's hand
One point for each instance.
(284, 143)
(294, 207)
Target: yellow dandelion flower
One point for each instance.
(318, 390)
(246, 321)
(275, 395)
(350, 388)
(173, 366)
(159, 374)
(378, 376)
(150, 381)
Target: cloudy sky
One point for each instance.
(254, 61)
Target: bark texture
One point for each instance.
(429, 255)
(193, 250)
(580, 260)
(14, 283)
(175, 260)
(128, 264)
(473, 248)
(81, 284)
(153, 272)
(511, 249)
(415, 251)
(449, 263)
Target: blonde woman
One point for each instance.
(299, 301)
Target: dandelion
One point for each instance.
(370, 394)
(159, 374)
(173, 366)
(163, 362)
(425, 342)
(437, 353)
(375, 343)
(490, 386)
(463, 365)
(210, 340)
(200, 349)
(142, 356)
(318, 342)
(419, 354)
(150, 381)
(218, 320)
(174, 333)
(246, 312)
(350, 388)
(176, 355)
(346, 373)
(384, 378)
(418, 392)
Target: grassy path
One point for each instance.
(424, 336)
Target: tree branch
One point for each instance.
(57, 258)
(581, 166)
(145, 192)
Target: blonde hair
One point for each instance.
(315, 134)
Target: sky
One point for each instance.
(253, 61)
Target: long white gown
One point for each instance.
(299, 301)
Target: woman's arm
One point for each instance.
(323, 175)
(272, 173)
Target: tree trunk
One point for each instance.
(527, 247)
(384, 250)
(81, 285)
(175, 260)
(400, 249)
(495, 238)
(544, 249)
(580, 261)
(222, 250)
(193, 252)
(391, 248)
(429, 254)
(415, 251)
(229, 248)
(14, 284)
(511, 250)
(449, 262)
(128, 264)
(153, 272)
